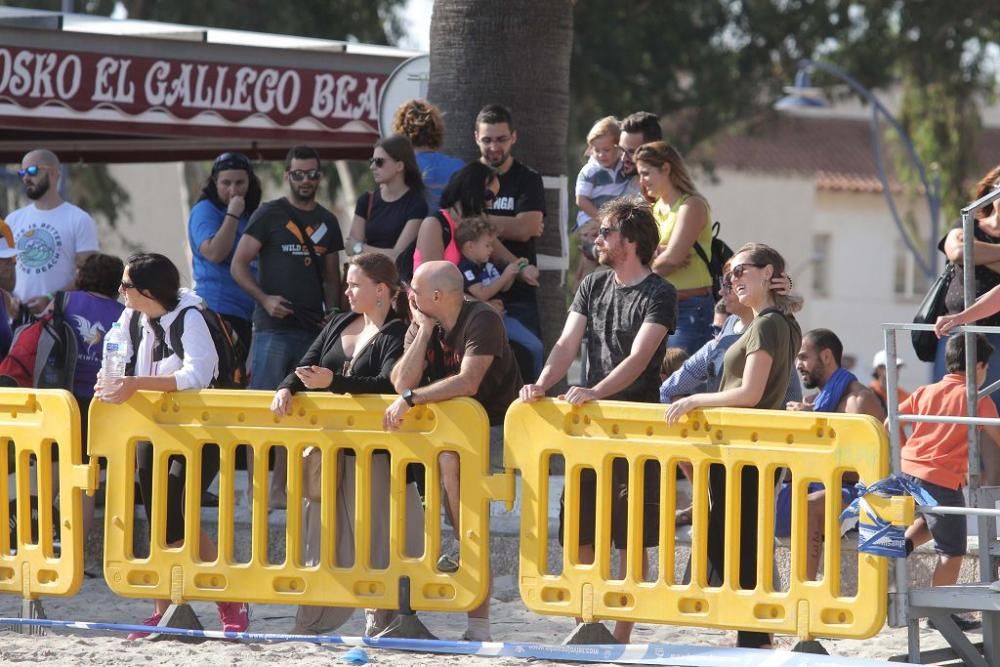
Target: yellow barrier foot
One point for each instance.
(406, 626)
(30, 609)
(810, 646)
(179, 616)
(591, 633)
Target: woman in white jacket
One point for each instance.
(151, 289)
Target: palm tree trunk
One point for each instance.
(515, 53)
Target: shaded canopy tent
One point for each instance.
(102, 90)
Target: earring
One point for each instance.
(378, 303)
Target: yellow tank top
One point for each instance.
(695, 274)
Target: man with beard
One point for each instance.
(518, 211)
(818, 364)
(52, 236)
(296, 243)
(626, 313)
(638, 128)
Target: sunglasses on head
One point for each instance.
(30, 171)
(302, 174)
(605, 232)
(738, 270)
(228, 161)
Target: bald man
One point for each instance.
(455, 347)
(52, 236)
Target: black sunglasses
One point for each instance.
(30, 171)
(604, 232)
(376, 162)
(302, 174)
(127, 285)
(738, 270)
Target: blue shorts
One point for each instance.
(783, 504)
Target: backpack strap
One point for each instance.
(176, 331)
(701, 252)
(135, 336)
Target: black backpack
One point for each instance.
(721, 253)
(231, 350)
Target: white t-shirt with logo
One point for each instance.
(48, 242)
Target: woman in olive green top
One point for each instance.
(756, 375)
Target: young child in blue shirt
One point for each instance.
(474, 238)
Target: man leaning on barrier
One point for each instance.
(627, 313)
(455, 347)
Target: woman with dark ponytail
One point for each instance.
(354, 354)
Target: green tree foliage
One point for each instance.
(369, 21)
(706, 64)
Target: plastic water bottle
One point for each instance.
(114, 359)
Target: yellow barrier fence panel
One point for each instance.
(603, 436)
(35, 424)
(181, 424)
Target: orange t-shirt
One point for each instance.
(901, 393)
(939, 453)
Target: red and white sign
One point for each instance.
(99, 92)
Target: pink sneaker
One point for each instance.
(235, 616)
(153, 621)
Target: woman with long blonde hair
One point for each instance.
(683, 218)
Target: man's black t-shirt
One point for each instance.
(284, 265)
(614, 315)
(389, 217)
(521, 190)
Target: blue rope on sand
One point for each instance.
(635, 654)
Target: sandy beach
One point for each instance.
(512, 622)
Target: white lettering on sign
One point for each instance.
(332, 97)
(88, 79)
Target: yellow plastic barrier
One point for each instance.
(181, 423)
(814, 447)
(32, 423)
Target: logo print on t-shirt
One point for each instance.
(91, 333)
(40, 247)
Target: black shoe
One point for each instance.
(965, 625)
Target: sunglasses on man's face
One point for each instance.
(302, 174)
(605, 232)
(30, 171)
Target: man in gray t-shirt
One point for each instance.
(627, 312)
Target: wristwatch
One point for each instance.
(357, 248)
(407, 396)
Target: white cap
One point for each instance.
(7, 248)
(880, 359)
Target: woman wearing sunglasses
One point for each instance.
(756, 374)
(151, 288)
(387, 219)
(683, 216)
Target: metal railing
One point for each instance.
(901, 600)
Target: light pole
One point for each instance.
(802, 96)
